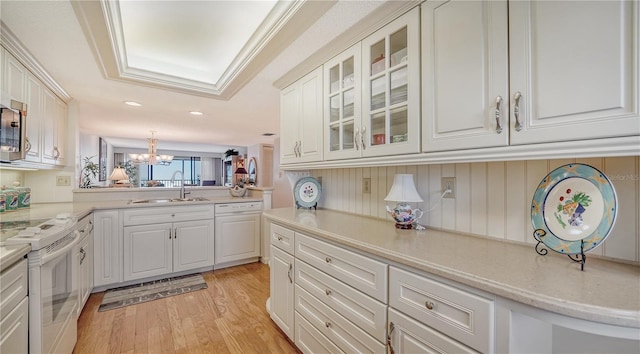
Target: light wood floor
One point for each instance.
(228, 317)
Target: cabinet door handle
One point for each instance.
(364, 146)
(295, 148)
(498, 115)
(56, 153)
(516, 110)
(27, 144)
(428, 305)
(355, 138)
(175, 233)
(289, 273)
(170, 231)
(391, 328)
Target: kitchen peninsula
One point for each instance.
(513, 292)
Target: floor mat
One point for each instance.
(149, 291)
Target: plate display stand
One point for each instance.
(541, 250)
(314, 206)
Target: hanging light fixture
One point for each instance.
(151, 157)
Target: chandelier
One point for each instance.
(151, 157)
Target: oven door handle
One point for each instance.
(50, 256)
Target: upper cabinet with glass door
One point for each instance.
(390, 88)
(342, 100)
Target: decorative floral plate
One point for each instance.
(307, 192)
(575, 206)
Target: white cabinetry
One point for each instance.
(530, 72)
(456, 313)
(301, 120)
(391, 88)
(107, 246)
(84, 262)
(237, 238)
(281, 297)
(46, 113)
(152, 249)
(14, 309)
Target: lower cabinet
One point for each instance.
(14, 309)
(107, 247)
(282, 290)
(158, 249)
(407, 335)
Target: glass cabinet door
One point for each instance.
(343, 105)
(391, 88)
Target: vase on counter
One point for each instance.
(238, 191)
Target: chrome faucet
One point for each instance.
(182, 191)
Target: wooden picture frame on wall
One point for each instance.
(102, 160)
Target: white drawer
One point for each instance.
(142, 216)
(457, 313)
(13, 287)
(14, 329)
(410, 336)
(346, 335)
(366, 312)
(310, 341)
(282, 238)
(363, 273)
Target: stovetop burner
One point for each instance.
(11, 228)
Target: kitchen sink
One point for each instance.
(172, 200)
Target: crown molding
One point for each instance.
(13, 45)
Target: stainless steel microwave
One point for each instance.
(13, 131)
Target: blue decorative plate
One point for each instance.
(307, 192)
(574, 205)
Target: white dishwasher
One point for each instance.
(237, 233)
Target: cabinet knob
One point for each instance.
(328, 324)
(327, 259)
(328, 292)
(279, 238)
(429, 305)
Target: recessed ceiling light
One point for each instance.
(196, 113)
(268, 134)
(133, 103)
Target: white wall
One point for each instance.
(493, 199)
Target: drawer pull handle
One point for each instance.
(327, 259)
(328, 292)
(328, 324)
(429, 305)
(279, 238)
(391, 328)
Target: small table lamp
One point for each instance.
(403, 191)
(120, 176)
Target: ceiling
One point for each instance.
(220, 58)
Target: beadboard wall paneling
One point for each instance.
(492, 199)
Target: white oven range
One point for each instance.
(53, 290)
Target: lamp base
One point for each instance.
(404, 226)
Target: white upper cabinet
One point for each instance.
(342, 105)
(532, 72)
(34, 118)
(574, 67)
(301, 120)
(465, 80)
(14, 78)
(391, 88)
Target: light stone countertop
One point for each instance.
(10, 254)
(606, 292)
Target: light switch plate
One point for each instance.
(366, 185)
(63, 181)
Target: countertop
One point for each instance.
(10, 254)
(606, 292)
